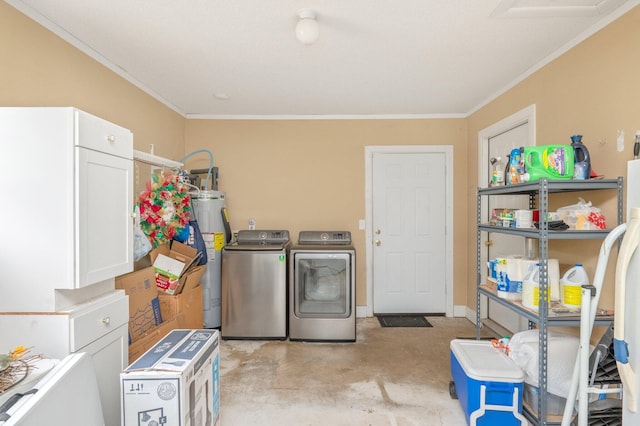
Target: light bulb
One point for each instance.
(307, 29)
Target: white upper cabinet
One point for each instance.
(68, 207)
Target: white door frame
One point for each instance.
(525, 115)
(409, 149)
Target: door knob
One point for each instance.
(378, 242)
(378, 231)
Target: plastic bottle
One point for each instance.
(571, 286)
(531, 289)
(507, 163)
(549, 161)
(516, 166)
(582, 162)
(497, 172)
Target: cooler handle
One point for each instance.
(484, 407)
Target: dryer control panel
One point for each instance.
(325, 237)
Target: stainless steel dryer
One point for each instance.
(254, 286)
(322, 283)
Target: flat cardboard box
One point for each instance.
(144, 343)
(144, 307)
(176, 382)
(186, 307)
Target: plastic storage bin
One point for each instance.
(488, 384)
(555, 404)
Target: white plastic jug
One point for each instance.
(531, 289)
(571, 286)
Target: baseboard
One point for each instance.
(459, 311)
(361, 311)
(470, 314)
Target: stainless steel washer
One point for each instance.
(322, 280)
(254, 286)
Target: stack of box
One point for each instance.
(176, 382)
(161, 301)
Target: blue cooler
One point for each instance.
(488, 383)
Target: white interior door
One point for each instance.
(499, 140)
(409, 232)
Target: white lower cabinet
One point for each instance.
(110, 354)
(98, 327)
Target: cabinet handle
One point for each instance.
(106, 320)
(378, 242)
(111, 138)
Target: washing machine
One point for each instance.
(322, 280)
(254, 285)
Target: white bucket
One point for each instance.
(571, 286)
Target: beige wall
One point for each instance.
(593, 90)
(299, 175)
(37, 68)
(302, 174)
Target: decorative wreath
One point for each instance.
(164, 208)
(15, 366)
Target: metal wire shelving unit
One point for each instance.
(539, 193)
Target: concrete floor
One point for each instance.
(389, 376)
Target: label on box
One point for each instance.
(166, 284)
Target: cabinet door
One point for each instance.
(104, 248)
(110, 356)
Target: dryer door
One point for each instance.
(322, 285)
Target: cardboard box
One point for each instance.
(175, 265)
(150, 338)
(186, 307)
(176, 382)
(144, 307)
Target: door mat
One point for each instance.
(403, 321)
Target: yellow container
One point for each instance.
(571, 286)
(531, 290)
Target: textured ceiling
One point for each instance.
(215, 58)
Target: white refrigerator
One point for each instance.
(630, 300)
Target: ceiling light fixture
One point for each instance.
(307, 29)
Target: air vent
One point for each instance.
(554, 8)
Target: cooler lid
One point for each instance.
(481, 361)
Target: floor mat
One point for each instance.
(403, 321)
